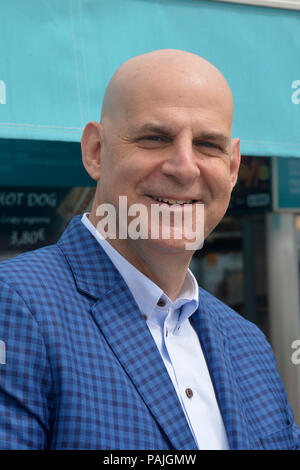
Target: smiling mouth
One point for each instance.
(171, 202)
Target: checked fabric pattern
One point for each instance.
(83, 372)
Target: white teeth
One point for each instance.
(171, 201)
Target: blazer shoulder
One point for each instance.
(35, 269)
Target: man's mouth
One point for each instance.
(171, 201)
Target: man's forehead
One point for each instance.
(173, 111)
(169, 118)
(168, 78)
(173, 91)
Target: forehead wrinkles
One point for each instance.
(172, 120)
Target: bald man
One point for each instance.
(110, 343)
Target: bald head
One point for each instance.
(161, 73)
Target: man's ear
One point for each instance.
(91, 142)
(235, 161)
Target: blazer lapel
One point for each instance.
(215, 345)
(120, 321)
(126, 331)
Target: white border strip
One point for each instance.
(287, 4)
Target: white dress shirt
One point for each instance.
(178, 344)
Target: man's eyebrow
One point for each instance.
(156, 128)
(214, 136)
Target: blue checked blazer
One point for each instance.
(83, 372)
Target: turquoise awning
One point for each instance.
(57, 57)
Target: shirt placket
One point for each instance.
(184, 387)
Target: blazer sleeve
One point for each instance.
(25, 377)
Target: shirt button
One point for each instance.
(145, 316)
(161, 302)
(189, 392)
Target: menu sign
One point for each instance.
(34, 217)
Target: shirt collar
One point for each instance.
(145, 292)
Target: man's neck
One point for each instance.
(165, 268)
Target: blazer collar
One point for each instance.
(92, 269)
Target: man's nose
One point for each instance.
(182, 163)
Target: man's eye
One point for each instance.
(208, 145)
(154, 138)
(153, 141)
